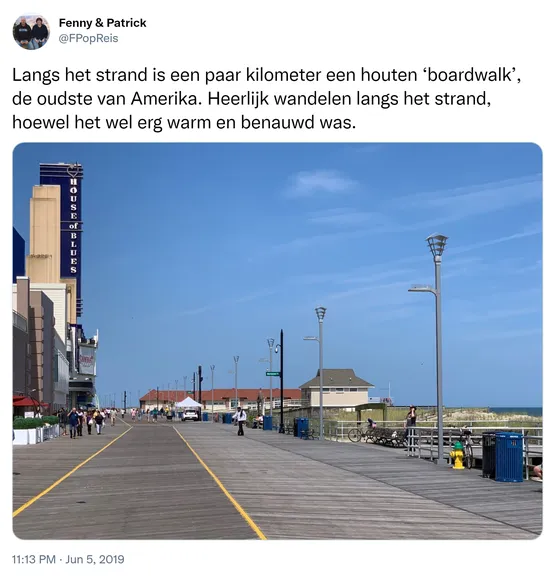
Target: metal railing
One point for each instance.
(423, 442)
(19, 321)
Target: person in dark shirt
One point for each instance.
(73, 423)
(39, 34)
(22, 33)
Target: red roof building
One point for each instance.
(222, 397)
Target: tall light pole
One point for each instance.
(279, 348)
(436, 243)
(320, 313)
(265, 360)
(236, 360)
(212, 367)
(271, 347)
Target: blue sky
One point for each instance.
(194, 253)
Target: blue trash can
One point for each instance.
(302, 425)
(227, 418)
(508, 457)
(267, 424)
(205, 416)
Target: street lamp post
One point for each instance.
(271, 347)
(236, 360)
(320, 313)
(212, 367)
(279, 348)
(436, 243)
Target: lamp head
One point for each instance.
(437, 242)
(320, 312)
(271, 342)
(276, 350)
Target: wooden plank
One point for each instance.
(148, 485)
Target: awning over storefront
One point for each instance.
(22, 401)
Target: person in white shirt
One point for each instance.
(241, 417)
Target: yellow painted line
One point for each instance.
(56, 483)
(236, 505)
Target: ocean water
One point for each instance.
(532, 411)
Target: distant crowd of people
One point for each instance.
(77, 419)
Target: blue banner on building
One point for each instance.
(69, 178)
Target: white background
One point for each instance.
(292, 35)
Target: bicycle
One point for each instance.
(466, 439)
(356, 434)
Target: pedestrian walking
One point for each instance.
(80, 423)
(89, 423)
(410, 424)
(73, 420)
(112, 417)
(99, 419)
(241, 417)
(122, 411)
(62, 416)
(133, 415)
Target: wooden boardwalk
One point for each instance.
(152, 484)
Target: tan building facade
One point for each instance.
(21, 348)
(43, 261)
(341, 389)
(54, 266)
(34, 351)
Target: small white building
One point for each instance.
(342, 388)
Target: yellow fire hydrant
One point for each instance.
(457, 455)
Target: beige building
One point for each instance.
(342, 388)
(54, 266)
(35, 355)
(21, 347)
(43, 261)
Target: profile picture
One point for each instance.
(31, 32)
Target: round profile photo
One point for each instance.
(31, 32)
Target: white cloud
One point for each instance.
(194, 311)
(533, 231)
(348, 217)
(309, 183)
(499, 314)
(460, 203)
(504, 335)
(255, 296)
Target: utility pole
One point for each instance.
(212, 367)
(185, 386)
(236, 360)
(157, 399)
(271, 347)
(200, 384)
(280, 348)
(125, 401)
(194, 381)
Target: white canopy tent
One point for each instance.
(188, 402)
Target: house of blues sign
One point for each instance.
(69, 178)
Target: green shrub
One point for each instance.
(22, 423)
(51, 419)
